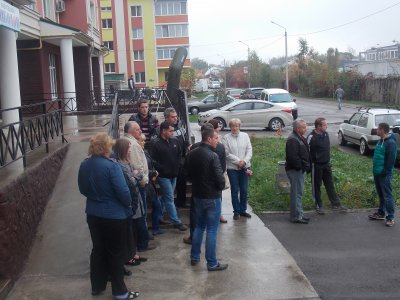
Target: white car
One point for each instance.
(215, 84)
(252, 113)
(282, 97)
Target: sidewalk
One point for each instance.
(58, 267)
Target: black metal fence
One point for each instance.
(41, 126)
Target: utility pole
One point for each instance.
(286, 58)
(248, 59)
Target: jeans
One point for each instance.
(143, 232)
(109, 251)
(319, 174)
(239, 183)
(296, 178)
(208, 212)
(167, 186)
(383, 185)
(339, 100)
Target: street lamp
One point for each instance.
(287, 72)
(248, 59)
(224, 71)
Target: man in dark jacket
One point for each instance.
(166, 156)
(385, 154)
(297, 165)
(205, 172)
(148, 122)
(318, 141)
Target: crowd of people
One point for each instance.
(120, 179)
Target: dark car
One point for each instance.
(252, 93)
(209, 102)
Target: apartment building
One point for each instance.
(49, 49)
(141, 37)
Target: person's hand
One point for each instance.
(242, 163)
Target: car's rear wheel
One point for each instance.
(194, 110)
(275, 124)
(364, 150)
(341, 140)
(221, 123)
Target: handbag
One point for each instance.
(227, 185)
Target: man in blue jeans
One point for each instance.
(166, 156)
(205, 172)
(385, 154)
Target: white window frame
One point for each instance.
(137, 33)
(109, 68)
(53, 76)
(140, 77)
(172, 30)
(108, 44)
(167, 53)
(136, 11)
(108, 23)
(171, 8)
(49, 9)
(138, 55)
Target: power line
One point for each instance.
(348, 23)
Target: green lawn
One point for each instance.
(352, 173)
(193, 118)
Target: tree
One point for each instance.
(199, 64)
(187, 80)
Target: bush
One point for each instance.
(352, 175)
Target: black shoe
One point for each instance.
(236, 216)
(245, 214)
(302, 221)
(219, 267)
(181, 227)
(184, 205)
(306, 219)
(194, 262)
(320, 210)
(162, 222)
(133, 262)
(96, 293)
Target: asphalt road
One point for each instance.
(344, 255)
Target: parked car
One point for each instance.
(209, 102)
(282, 97)
(361, 128)
(215, 84)
(235, 93)
(252, 93)
(252, 113)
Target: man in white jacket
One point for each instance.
(238, 155)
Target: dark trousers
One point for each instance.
(132, 238)
(109, 238)
(180, 188)
(319, 174)
(143, 232)
(192, 216)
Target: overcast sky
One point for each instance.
(216, 26)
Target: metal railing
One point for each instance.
(19, 138)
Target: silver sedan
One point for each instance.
(252, 113)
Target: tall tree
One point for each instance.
(199, 64)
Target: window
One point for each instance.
(107, 8)
(354, 119)
(136, 11)
(167, 8)
(109, 68)
(210, 99)
(109, 45)
(261, 105)
(363, 122)
(53, 75)
(243, 106)
(174, 30)
(138, 55)
(165, 53)
(107, 23)
(140, 77)
(48, 9)
(137, 33)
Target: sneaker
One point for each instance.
(219, 267)
(340, 208)
(245, 214)
(320, 210)
(376, 216)
(389, 223)
(181, 227)
(236, 216)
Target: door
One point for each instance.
(244, 112)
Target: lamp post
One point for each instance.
(287, 72)
(224, 71)
(248, 59)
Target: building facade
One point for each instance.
(54, 52)
(141, 37)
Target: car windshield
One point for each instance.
(391, 119)
(277, 98)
